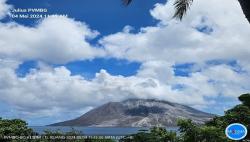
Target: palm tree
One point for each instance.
(182, 6)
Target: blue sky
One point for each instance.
(98, 15)
(104, 51)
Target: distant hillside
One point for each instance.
(137, 113)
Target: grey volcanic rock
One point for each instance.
(137, 113)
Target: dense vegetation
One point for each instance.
(212, 131)
(15, 127)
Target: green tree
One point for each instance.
(191, 132)
(14, 127)
(156, 134)
(245, 99)
(182, 6)
(188, 130)
(211, 134)
(163, 135)
(238, 114)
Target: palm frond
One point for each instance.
(126, 2)
(245, 5)
(181, 7)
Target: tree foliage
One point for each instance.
(245, 99)
(181, 7)
(156, 134)
(190, 132)
(14, 127)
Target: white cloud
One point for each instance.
(61, 40)
(4, 8)
(216, 80)
(174, 42)
(46, 91)
(53, 40)
(229, 39)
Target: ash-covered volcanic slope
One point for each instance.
(137, 113)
